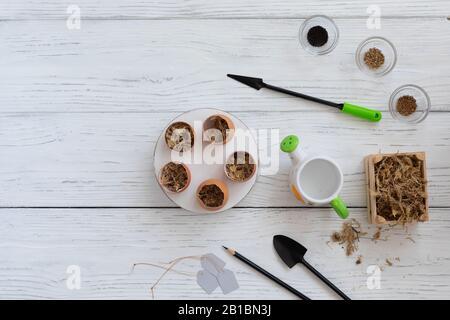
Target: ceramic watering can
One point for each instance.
(314, 180)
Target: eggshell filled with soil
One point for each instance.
(212, 194)
(218, 129)
(240, 166)
(205, 160)
(179, 136)
(175, 177)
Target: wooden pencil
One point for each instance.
(266, 273)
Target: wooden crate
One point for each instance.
(369, 164)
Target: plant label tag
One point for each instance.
(227, 281)
(207, 281)
(212, 263)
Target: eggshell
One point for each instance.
(230, 124)
(188, 176)
(222, 186)
(230, 160)
(184, 123)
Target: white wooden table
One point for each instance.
(80, 112)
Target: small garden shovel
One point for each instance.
(348, 108)
(292, 253)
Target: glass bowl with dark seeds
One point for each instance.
(318, 35)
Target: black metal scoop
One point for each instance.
(292, 253)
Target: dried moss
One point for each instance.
(377, 235)
(348, 236)
(400, 188)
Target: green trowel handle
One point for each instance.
(361, 112)
(339, 206)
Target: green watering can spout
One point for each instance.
(289, 145)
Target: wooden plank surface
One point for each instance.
(81, 110)
(38, 245)
(161, 66)
(201, 9)
(106, 159)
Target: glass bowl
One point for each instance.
(322, 21)
(388, 50)
(422, 100)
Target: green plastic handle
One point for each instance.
(361, 112)
(340, 207)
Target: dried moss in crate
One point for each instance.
(398, 188)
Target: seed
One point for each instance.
(374, 58)
(317, 36)
(406, 105)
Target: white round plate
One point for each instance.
(201, 168)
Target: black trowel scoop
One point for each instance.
(292, 253)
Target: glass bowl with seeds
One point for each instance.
(376, 56)
(409, 104)
(318, 35)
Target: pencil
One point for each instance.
(266, 273)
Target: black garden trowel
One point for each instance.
(292, 253)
